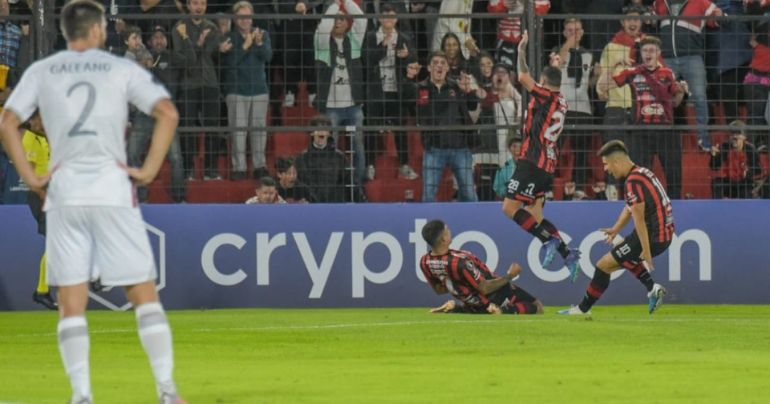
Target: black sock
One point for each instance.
(550, 228)
(644, 276)
(596, 288)
(519, 308)
(530, 225)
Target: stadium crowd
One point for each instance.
(238, 68)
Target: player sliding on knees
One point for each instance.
(536, 164)
(650, 208)
(469, 279)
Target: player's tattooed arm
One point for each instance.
(525, 78)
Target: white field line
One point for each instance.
(502, 319)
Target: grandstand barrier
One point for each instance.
(366, 255)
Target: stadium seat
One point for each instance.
(696, 175)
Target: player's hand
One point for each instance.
(647, 257)
(514, 270)
(444, 308)
(140, 176)
(610, 235)
(494, 309)
(523, 41)
(412, 70)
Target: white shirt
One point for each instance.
(340, 93)
(83, 99)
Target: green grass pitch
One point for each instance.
(682, 354)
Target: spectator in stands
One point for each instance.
(338, 51)
(322, 166)
(458, 63)
(683, 50)
(439, 102)
(504, 174)
(289, 188)
(578, 75)
(509, 28)
(167, 66)
(656, 92)
(387, 52)
(740, 172)
(757, 83)
(10, 43)
(619, 54)
(294, 39)
(502, 107)
(266, 193)
(141, 124)
(163, 12)
(246, 91)
(459, 26)
(200, 95)
(599, 32)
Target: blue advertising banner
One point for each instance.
(366, 255)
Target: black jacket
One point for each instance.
(374, 53)
(323, 170)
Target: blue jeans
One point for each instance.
(461, 163)
(693, 70)
(352, 116)
(138, 140)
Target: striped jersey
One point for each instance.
(642, 185)
(543, 124)
(460, 272)
(652, 93)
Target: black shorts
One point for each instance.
(629, 253)
(528, 182)
(508, 295)
(36, 206)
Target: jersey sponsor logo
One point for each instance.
(655, 109)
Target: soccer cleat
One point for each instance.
(573, 264)
(656, 297)
(81, 400)
(551, 247)
(46, 300)
(166, 398)
(574, 311)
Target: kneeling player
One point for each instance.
(469, 279)
(649, 206)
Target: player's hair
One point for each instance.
(242, 4)
(650, 40)
(432, 231)
(612, 147)
(130, 30)
(284, 164)
(512, 140)
(387, 8)
(267, 181)
(77, 18)
(552, 76)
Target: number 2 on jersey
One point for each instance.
(77, 129)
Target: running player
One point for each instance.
(469, 279)
(536, 164)
(649, 206)
(37, 152)
(95, 229)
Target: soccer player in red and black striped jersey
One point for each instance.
(536, 164)
(655, 92)
(648, 205)
(469, 280)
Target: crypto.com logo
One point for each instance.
(115, 298)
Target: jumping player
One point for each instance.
(536, 164)
(95, 229)
(650, 208)
(469, 279)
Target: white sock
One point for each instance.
(156, 340)
(74, 345)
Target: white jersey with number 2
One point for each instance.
(83, 98)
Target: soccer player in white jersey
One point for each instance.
(95, 227)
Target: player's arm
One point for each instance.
(9, 132)
(625, 216)
(525, 78)
(166, 121)
(637, 211)
(487, 286)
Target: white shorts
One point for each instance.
(85, 243)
